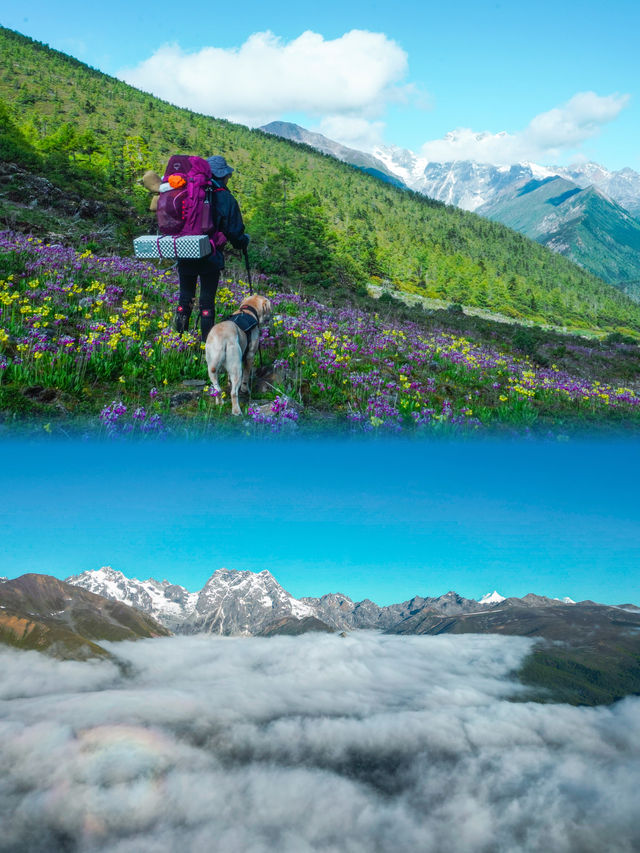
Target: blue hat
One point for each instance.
(219, 167)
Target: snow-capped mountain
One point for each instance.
(169, 603)
(469, 185)
(251, 603)
(491, 598)
(231, 602)
(242, 602)
(465, 183)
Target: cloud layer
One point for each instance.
(352, 77)
(545, 139)
(368, 743)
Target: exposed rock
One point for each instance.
(36, 191)
(290, 626)
(42, 613)
(182, 397)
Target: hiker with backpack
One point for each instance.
(196, 215)
(227, 221)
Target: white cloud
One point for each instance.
(353, 76)
(352, 131)
(311, 743)
(546, 138)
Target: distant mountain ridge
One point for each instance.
(584, 653)
(466, 183)
(367, 162)
(250, 603)
(469, 185)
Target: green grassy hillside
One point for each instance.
(336, 228)
(580, 223)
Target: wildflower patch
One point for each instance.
(99, 330)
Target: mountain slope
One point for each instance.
(96, 134)
(43, 613)
(588, 653)
(580, 223)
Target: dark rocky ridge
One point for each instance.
(290, 626)
(42, 613)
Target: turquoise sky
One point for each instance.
(380, 519)
(485, 67)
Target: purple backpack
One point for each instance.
(187, 209)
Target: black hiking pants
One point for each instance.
(207, 269)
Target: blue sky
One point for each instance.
(561, 80)
(377, 519)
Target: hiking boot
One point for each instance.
(207, 321)
(182, 319)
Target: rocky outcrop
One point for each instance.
(43, 613)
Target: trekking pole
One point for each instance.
(246, 261)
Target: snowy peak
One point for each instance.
(467, 183)
(243, 602)
(492, 598)
(169, 603)
(231, 602)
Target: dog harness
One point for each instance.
(245, 321)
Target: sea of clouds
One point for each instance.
(359, 744)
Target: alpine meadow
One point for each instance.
(393, 311)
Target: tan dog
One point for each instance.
(231, 347)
